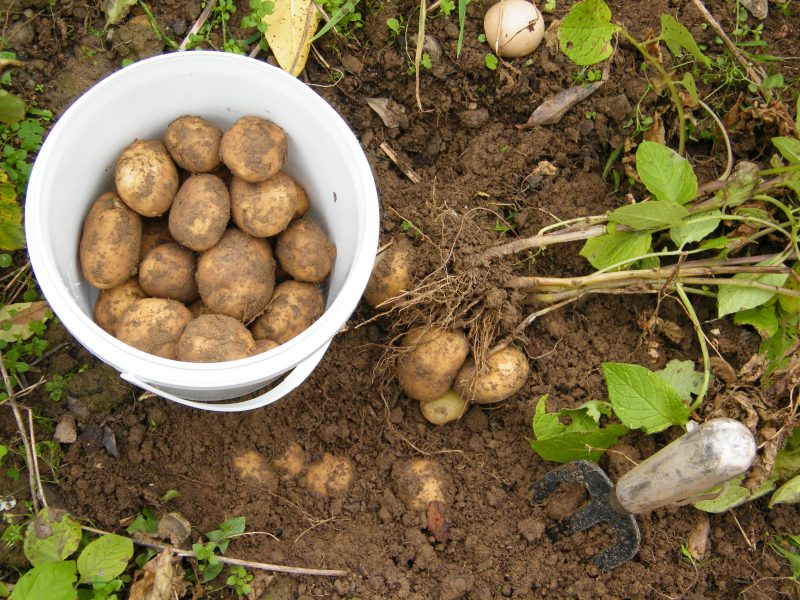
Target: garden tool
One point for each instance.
(708, 455)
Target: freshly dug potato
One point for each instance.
(112, 303)
(146, 178)
(505, 373)
(391, 274)
(302, 201)
(292, 462)
(237, 276)
(432, 358)
(449, 407)
(305, 251)
(264, 208)
(331, 476)
(109, 247)
(295, 305)
(252, 466)
(254, 149)
(154, 233)
(197, 308)
(419, 481)
(215, 338)
(200, 212)
(168, 271)
(265, 346)
(193, 142)
(154, 325)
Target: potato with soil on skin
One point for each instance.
(237, 276)
(112, 303)
(294, 307)
(168, 271)
(419, 481)
(264, 208)
(154, 233)
(254, 149)
(305, 252)
(200, 212)
(431, 358)
(292, 462)
(504, 374)
(330, 476)
(265, 346)
(146, 178)
(448, 407)
(215, 338)
(193, 142)
(154, 325)
(302, 201)
(110, 241)
(391, 274)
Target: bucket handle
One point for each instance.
(289, 383)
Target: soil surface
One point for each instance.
(477, 167)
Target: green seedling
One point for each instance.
(788, 546)
(408, 227)
(240, 580)
(395, 25)
(491, 61)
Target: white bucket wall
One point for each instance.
(76, 163)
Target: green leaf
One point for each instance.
(762, 318)
(792, 557)
(578, 445)
(597, 409)
(716, 243)
(681, 376)
(732, 299)
(618, 247)
(696, 228)
(51, 537)
(227, 529)
(144, 523)
(789, 148)
(665, 173)
(788, 493)
(53, 581)
(732, 495)
(677, 37)
(741, 185)
(18, 321)
(691, 87)
(12, 109)
(545, 424)
(585, 32)
(649, 215)
(642, 399)
(105, 558)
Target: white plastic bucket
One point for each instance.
(76, 163)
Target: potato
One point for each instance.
(252, 466)
(506, 371)
(430, 362)
(109, 246)
(197, 308)
(330, 476)
(200, 212)
(112, 303)
(292, 462)
(449, 407)
(265, 346)
(302, 201)
(295, 305)
(193, 142)
(146, 178)
(215, 338)
(305, 251)
(254, 149)
(168, 271)
(154, 233)
(154, 325)
(237, 276)
(264, 208)
(391, 274)
(419, 481)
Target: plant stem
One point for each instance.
(780, 170)
(701, 337)
(539, 241)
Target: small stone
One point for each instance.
(65, 430)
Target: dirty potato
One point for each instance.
(295, 305)
(302, 201)
(168, 271)
(215, 338)
(430, 360)
(146, 178)
(443, 410)
(265, 346)
(193, 142)
(254, 149)
(419, 481)
(154, 325)
(330, 476)
(264, 208)
(112, 303)
(154, 233)
(305, 252)
(391, 274)
(504, 373)
(200, 212)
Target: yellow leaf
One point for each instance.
(290, 28)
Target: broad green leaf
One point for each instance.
(789, 148)
(717, 243)
(612, 248)
(788, 493)
(545, 424)
(577, 445)
(642, 399)
(691, 87)
(290, 29)
(732, 495)
(681, 377)
(787, 464)
(762, 318)
(665, 173)
(12, 109)
(597, 409)
(677, 37)
(105, 558)
(16, 319)
(649, 215)
(695, 228)
(117, 10)
(741, 185)
(791, 304)
(50, 581)
(227, 529)
(50, 537)
(732, 299)
(585, 33)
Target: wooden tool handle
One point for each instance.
(706, 456)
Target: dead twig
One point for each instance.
(402, 163)
(201, 20)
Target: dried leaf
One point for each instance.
(65, 432)
(290, 29)
(555, 107)
(175, 528)
(117, 10)
(391, 113)
(110, 442)
(758, 8)
(697, 543)
(753, 369)
(723, 370)
(16, 319)
(157, 579)
(8, 63)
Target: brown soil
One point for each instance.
(475, 164)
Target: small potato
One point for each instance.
(215, 338)
(449, 407)
(200, 212)
(112, 303)
(292, 462)
(331, 476)
(419, 481)
(154, 325)
(432, 358)
(505, 373)
(110, 241)
(146, 178)
(168, 271)
(154, 233)
(264, 208)
(391, 274)
(295, 305)
(193, 142)
(237, 276)
(254, 149)
(305, 251)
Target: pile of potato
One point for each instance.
(203, 252)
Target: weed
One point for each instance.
(408, 227)
(788, 547)
(343, 15)
(239, 579)
(395, 25)
(491, 61)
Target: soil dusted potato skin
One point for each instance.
(254, 149)
(154, 325)
(419, 481)
(305, 252)
(200, 212)
(294, 307)
(112, 303)
(302, 201)
(265, 345)
(193, 142)
(330, 476)
(215, 338)
(505, 373)
(264, 208)
(146, 178)
(449, 407)
(391, 274)
(433, 357)
(154, 233)
(168, 271)
(110, 241)
(237, 276)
